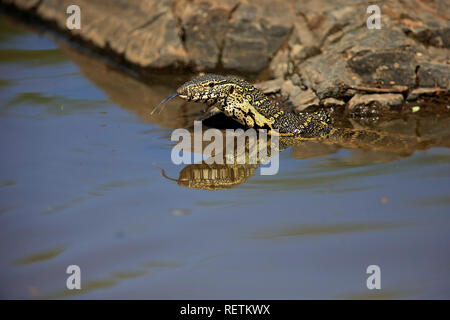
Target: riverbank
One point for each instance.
(314, 54)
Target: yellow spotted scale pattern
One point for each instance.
(244, 103)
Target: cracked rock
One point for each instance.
(271, 86)
(434, 75)
(301, 99)
(321, 45)
(419, 92)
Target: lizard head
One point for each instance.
(211, 89)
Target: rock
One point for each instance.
(279, 66)
(434, 75)
(301, 33)
(328, 75)
(322, 45)
(257, 31)
(271, 86)
(437, 37)
(419, 92)
(24, 4)
(301, 99)
(332, 102)
(384, 57)
(157, 34)
(288, 89)
(304, 100)
(300, 53)
(205, 26)
(426, 23)
(296, 79)
(145, 33)
(383, 100)
(389, 89)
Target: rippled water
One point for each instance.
(79, 184)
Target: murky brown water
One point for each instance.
(80, 184)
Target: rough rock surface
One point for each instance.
(300, 98)
(383, 100)
(419, 92)
(316, 50)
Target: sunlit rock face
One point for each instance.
(325, 49)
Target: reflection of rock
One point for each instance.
(136, 96)
(310, 149)
(361, 157)
(322, 46)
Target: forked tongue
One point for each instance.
(163, 103)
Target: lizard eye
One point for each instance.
(211, 84)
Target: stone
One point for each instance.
(301, 99)
(332, 102)
(204, 29)
(434, 75)
(257, 31)
(300, 53)
(279, 66)
(321, 45)
(382, 57)
(270, 86)
(383, 100)
(24, 4)
(288, 89)
(304, 99)
(145, 33)
(419, 92)
(296, 79)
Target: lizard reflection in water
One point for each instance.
(244, 103)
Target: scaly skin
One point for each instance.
(244, 103)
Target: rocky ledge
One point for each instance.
(317, 53)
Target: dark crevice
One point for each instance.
(283, 46)
(334, 29)
(233, 11)
(221, 45)
(425, 37)
(181, 30)
(416, 75)
(149, 22)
